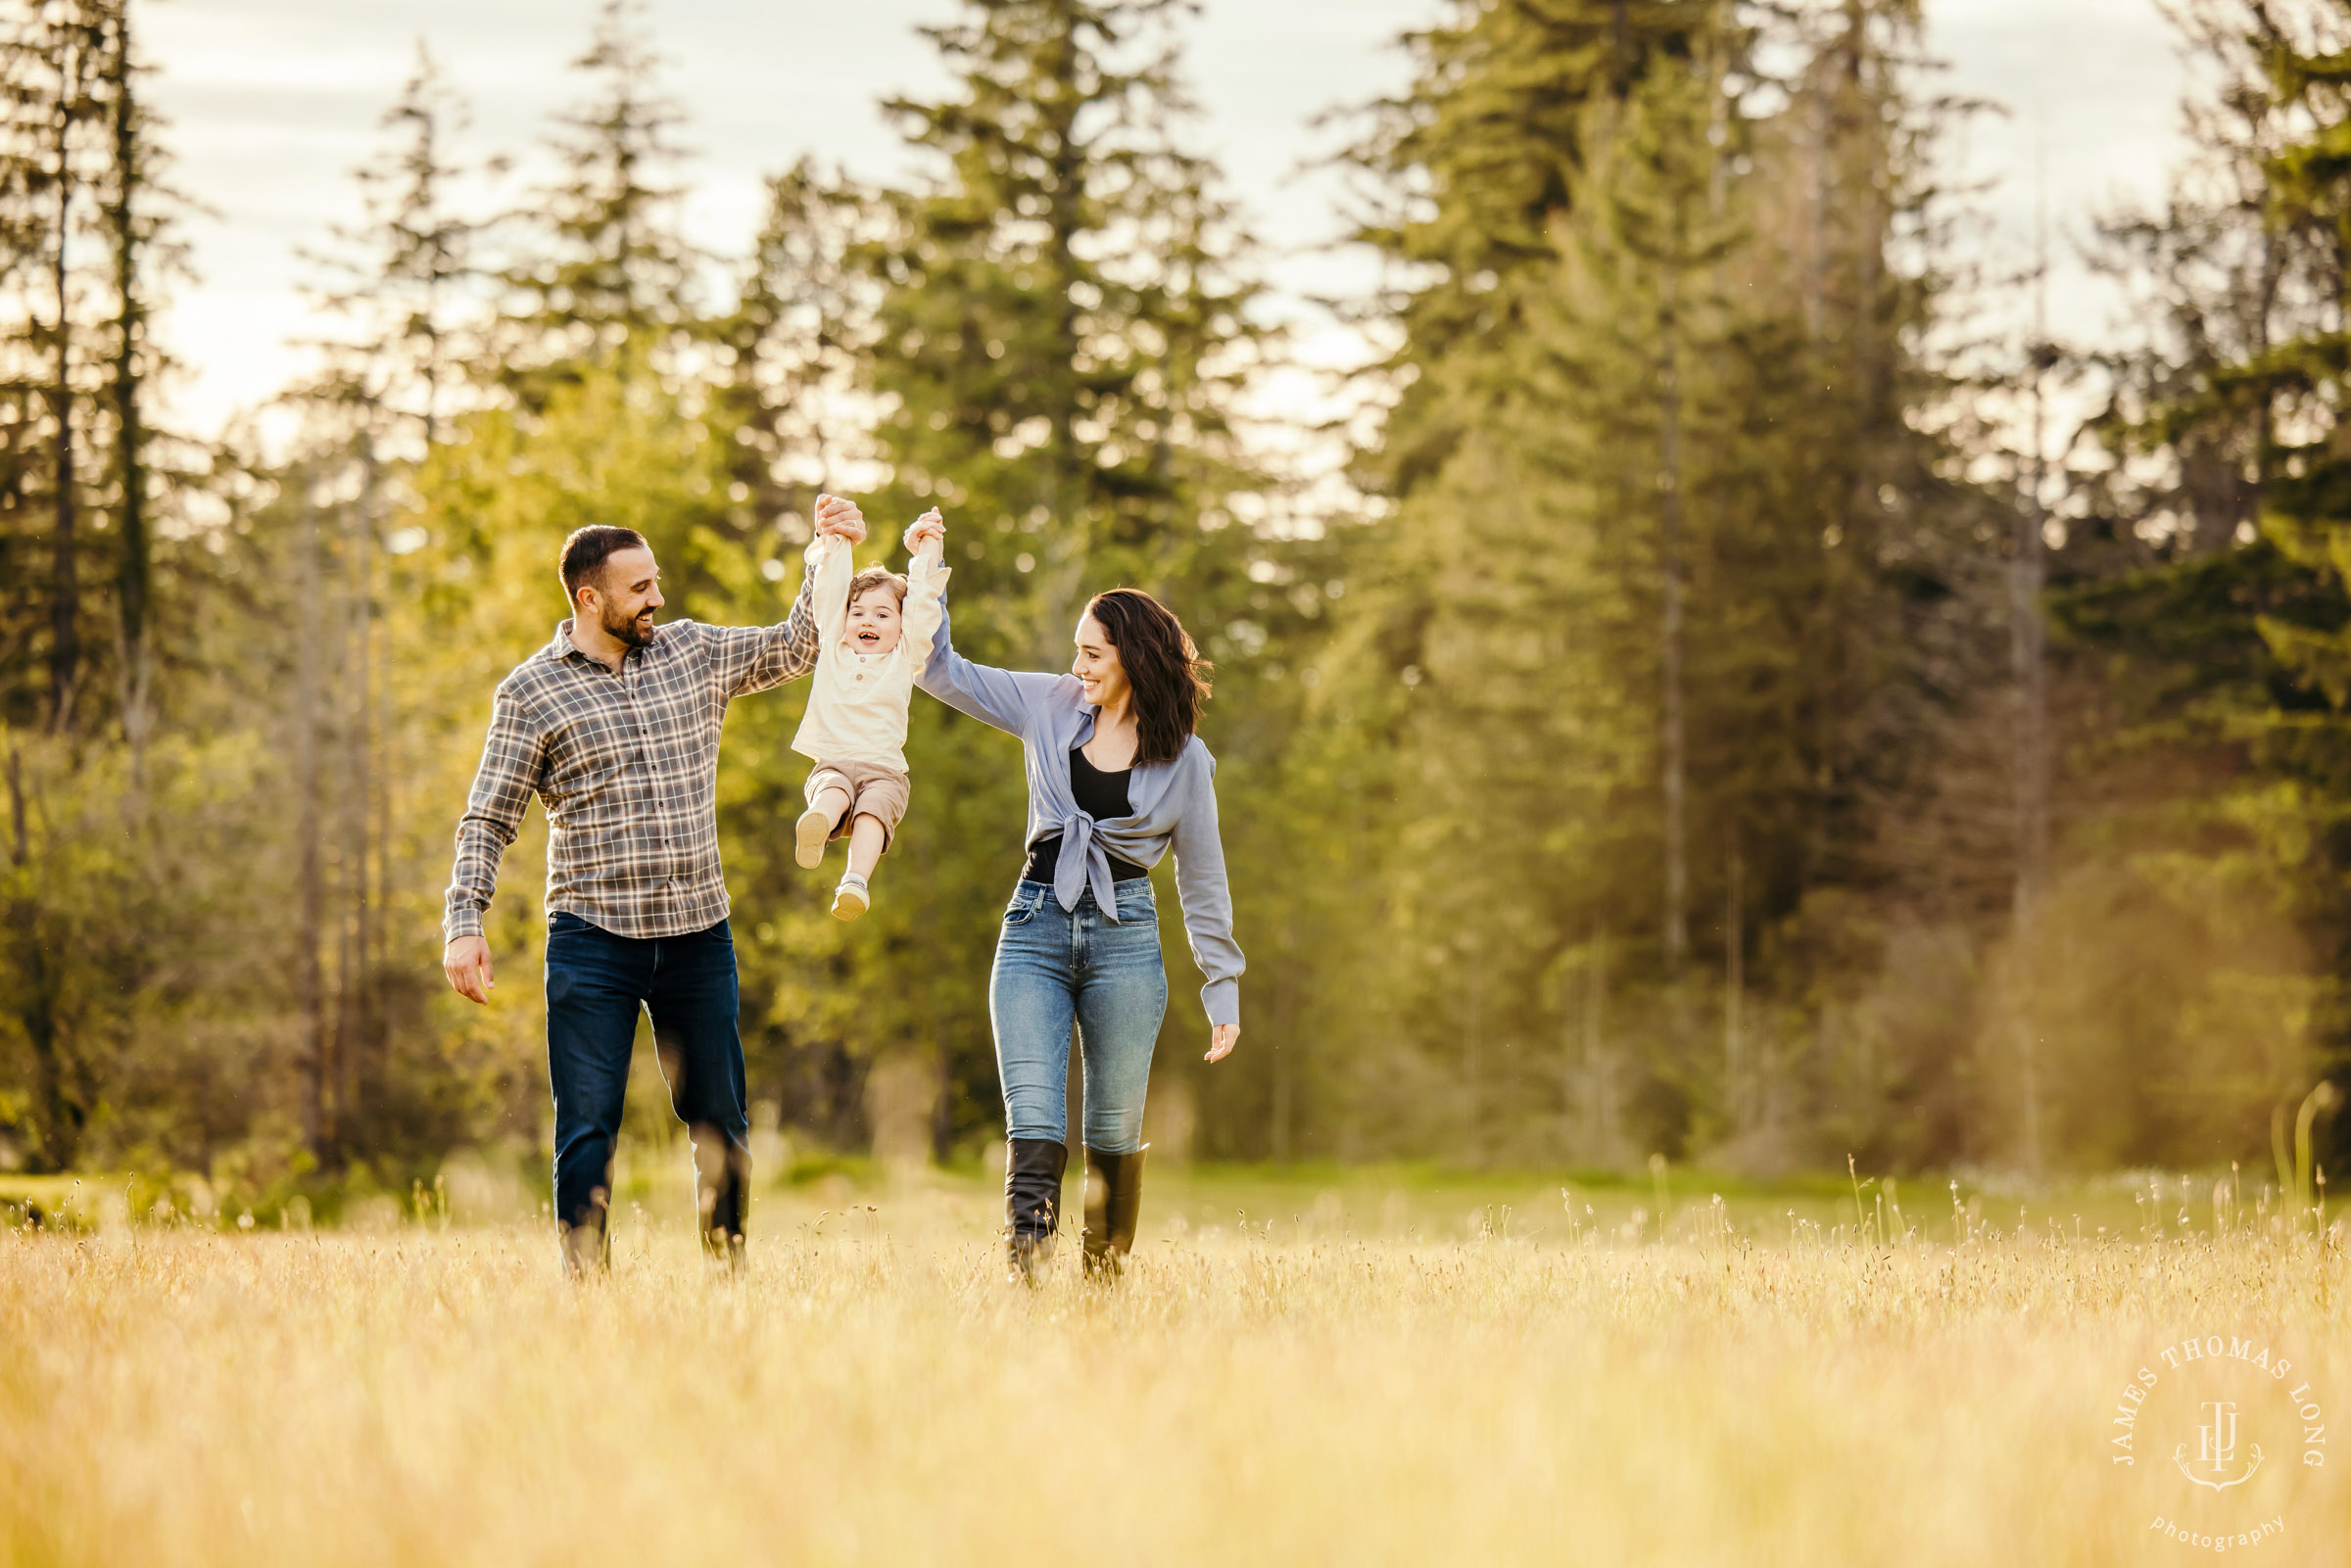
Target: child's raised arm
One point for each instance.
(1009, 699)
(831, 563)
(926, 587)
(927, 531)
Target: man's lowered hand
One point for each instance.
(466, 963)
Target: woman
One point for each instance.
(1116, 777)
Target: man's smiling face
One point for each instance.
(873, 620)
(627, 596)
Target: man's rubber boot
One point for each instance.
(587, 1247)
(1114, 1202)
(1033, 1173)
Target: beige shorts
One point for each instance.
(874, 791)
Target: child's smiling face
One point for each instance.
(873, 620)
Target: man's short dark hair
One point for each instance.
(585, 552)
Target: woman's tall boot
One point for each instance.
(1114, 1202)
(1032, 1171)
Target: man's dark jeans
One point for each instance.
(596, 983)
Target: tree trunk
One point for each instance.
(59, 1113)
(1599, 1103)
(375, 842)
(354, 1013)
(64, 603)
(1814, 270)
(134, 579)
(1672, 759)
(1064, 565)
(1735, 1096)
(2028, 639)
(309, 980)
(1474, 1055)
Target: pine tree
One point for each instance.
(2197, 605)
(23, 217)
(1683, 411)
(138, 217)
(798, 340)
(615, 280)
(58, 99)
(1060, 325)
(87, 220)
(1062, 335)
(1498, 613)
(2238, 615)
(87, 223)
(405, 278)
(1483, 155)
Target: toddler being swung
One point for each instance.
(874, 632)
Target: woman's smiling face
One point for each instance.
(1097, 665)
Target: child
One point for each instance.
(874, 632)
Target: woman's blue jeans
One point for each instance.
(598, 984)
(1056, 967)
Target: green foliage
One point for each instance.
(2210, 594)
(1059, 337)
(1487, 152)
(1061, 334)
(1644, 635)
(612, 280)
(1633, 771)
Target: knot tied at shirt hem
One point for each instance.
(1083, 863)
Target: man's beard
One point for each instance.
(626, 631)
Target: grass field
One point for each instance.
(1366, 1368)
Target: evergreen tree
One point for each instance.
(56, 123)
(1060, 334)
(1683, 411)
(138, 217)
(614, 280)
(406, 277)
(797, 346)
(2217, 572)
(401, 282)
(1485, 152)
(87, 223)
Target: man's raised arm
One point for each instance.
(752, 658)
(513, 759)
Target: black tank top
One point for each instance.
(1101, 796)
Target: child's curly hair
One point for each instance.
(874, 577)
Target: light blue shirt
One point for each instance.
(1170, 804)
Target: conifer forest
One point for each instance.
(1728, 696)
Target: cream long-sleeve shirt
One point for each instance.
(857, 701)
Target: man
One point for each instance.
(614, 727)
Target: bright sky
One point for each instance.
(273, 101)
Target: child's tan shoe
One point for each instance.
(809, 836)
(851, 898)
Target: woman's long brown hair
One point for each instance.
(1167, 675)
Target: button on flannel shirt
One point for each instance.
(627, 767)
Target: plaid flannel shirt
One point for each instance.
(627, 767)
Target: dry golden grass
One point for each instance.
(875, 1393)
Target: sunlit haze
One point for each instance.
(272, 103)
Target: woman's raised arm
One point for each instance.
(1005, 698)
